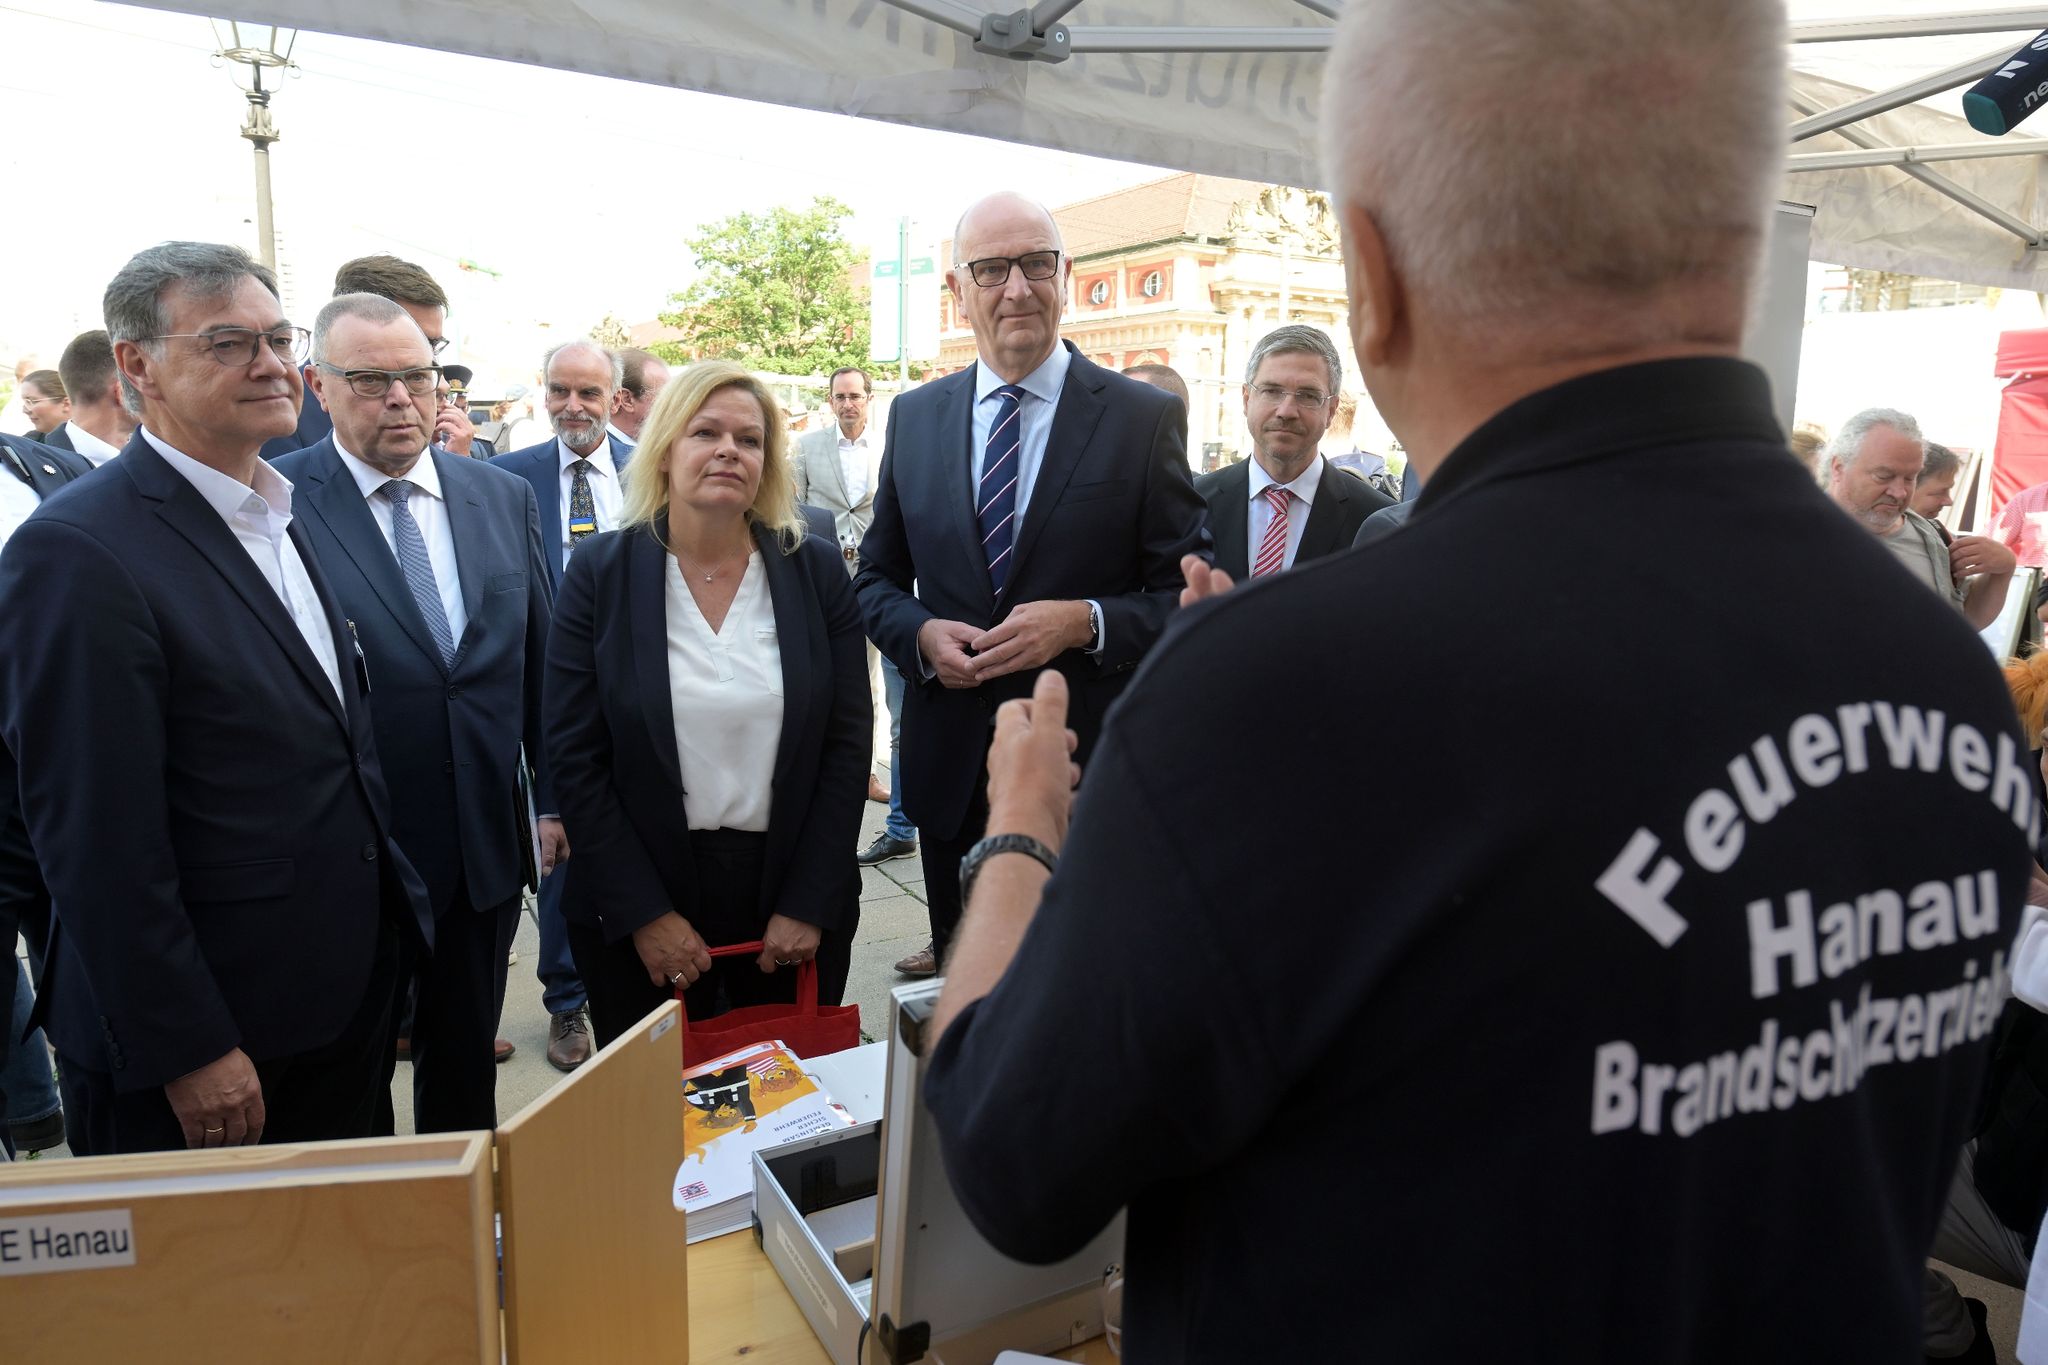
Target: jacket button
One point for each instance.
(369, 853)
(448, 766)
(454, 692)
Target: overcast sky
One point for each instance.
(121, 131)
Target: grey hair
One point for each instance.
(1940, 460)
(1296, 339)
(134, 301)
(1571, 207)
(618, 362)
(1848, 442)
(373, 308)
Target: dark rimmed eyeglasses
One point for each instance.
(377, 383)
(991, 272)
(236, 346)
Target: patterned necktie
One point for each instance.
(418, 568)
(582, 506)
(1273, 546)
(995, 503)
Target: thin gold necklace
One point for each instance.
(661, 537)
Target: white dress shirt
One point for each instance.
(725, 698)
(95, 450)
(258, 517)
(1261, 510)
(17, 501)
(604, 487)
(430, 512)
(858, 459)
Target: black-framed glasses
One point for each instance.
(991, 272)
(377, 383)
(1303, 398)
(439, 344)
(235, 347)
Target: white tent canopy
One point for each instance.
(1229, 87)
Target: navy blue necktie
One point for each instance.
(995, 502)
(418, 568)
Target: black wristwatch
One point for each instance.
(970, 866)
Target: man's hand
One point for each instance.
(554, 844)
(1970, 556)
(454, 430)
(1031, 636)
(1204, 580)
(786, 942)
(944, 646)
(1031, 769)
(671, 951)
(220, 1104)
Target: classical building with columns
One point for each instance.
(1191, 271)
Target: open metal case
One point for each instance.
(922, 1285)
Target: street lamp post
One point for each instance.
(274, 53)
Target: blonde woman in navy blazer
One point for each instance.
(708, 721)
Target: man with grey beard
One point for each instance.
(575, 480)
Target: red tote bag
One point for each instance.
(804, 1028)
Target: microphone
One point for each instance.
(1998, 103)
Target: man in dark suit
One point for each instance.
(417, 292)
(436, 560)
(1286, 500)
(175, 670)
(99, 424)
(1032, 511)
(30, 471)
(575, 480)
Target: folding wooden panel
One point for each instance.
(595, 1260)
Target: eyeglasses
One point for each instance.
(992, 271)
(439, 344)
(235, 347)
(27, 402)
(1303, 398)
(377, 383)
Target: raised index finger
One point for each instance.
(1049, 702)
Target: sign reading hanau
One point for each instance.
(41, 1243)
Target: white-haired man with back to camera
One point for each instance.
(1647, 1030)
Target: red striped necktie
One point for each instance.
(1273, 547)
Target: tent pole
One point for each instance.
(1937, 182)
(1046, 13)
(945, 13)
(1918, 25)
(1901, 156)
(1142, 38)
(1912, 92)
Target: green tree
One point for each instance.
(776, 293)
(611, 333)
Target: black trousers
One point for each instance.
(329, 1092)
(460, 994)
(941, 859)
(729, 867)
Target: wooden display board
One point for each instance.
(596, 1265)
(371, 1251)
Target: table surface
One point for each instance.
(739, 1310)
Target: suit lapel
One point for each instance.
(825, 451)
(469, 528)
(545, 474)
(186, 512)
(647, 604)
(792, 631)
(1230, 523)
(955, 419)
(339, 503)
(338, 626)
(1073, 426)
(1325, 514)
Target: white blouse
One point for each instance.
(725, 697)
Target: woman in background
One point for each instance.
(708, 721)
